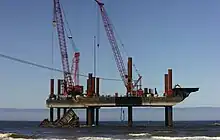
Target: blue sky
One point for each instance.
(182, 35)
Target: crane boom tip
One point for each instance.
(99, 2)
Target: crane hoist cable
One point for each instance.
(71, 80)
(52, 44)
(98, 27)
(97, 42)
(123, 47)
(76, 54)
(59, 23)
(75, 58)
(110, 32)
(75, 49)
(127, 55)
(52, 52)
(113, 42)
(122, 114)
(49, 68)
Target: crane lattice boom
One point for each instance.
(75, 67)
(111, 37)
(58, 21)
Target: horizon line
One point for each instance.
(114, 108)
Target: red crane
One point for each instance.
(75, 68)
(69, 87)
(112, 40)
(114, 45)
(75, 71)
(75, 63)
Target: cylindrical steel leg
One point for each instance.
(170, 79)
(87, 116)
(166, 116)
(90, 116)
(93, 115)
(51, 114)
(58, 93)
(51, 88)
(169, 116)
(130, 121)
(165, 84)
(97, 116)
(97, 86)
(58, 113)
(64, 111)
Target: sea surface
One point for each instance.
(148, 123)
(148, 130)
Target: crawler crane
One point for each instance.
(126, 75)
(71, 88)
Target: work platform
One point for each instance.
(113, 102)
(92, 102)
(84, 102)
(105, 101)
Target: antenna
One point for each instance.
(94, 47)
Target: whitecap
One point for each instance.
(185, 138)
(94, 138)
(139, 134)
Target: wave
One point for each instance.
(144, 136)
(153, 138)
(5, 135)
(94, 138)
(185, 138)
(14, 136)
(150, 137)
(139, 134)
(216, 124)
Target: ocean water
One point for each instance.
(182, 130)
(189, 124)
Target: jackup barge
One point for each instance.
(92, 104)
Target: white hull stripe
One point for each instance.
(107, 105)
